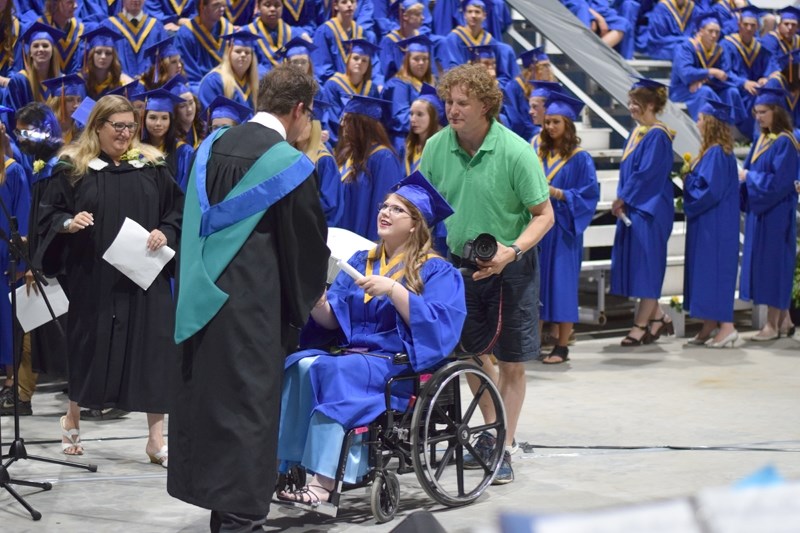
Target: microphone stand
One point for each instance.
(17, 450)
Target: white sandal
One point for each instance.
(73, 436)
(161, 457)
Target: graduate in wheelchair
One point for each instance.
(409, 301)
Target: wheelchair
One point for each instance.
(431, 437)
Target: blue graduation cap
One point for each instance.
(543, 89)
(752, 12)
(771, 96)
(130, 90)
(419, 191)
(430, 95)
(177, 85)
(4, 109)
(160, 100)
(703, 18)
(39, 31)
(320, 106)
(161, 49)
(641, 82)
(297, 46)
(222, 107)
(81, 115)
(366, 105)
(242, 38)
(789, 13)
(718, 110)
(405, 5)
(360, 46)
(482, 51)
(533, 56)
(561, 104)
(466, 3)
(101, 36)
(417, 43)
(69, 85)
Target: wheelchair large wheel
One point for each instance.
(444, 427)
(384, 496)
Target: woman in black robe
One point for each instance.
(119, 337)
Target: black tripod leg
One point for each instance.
(44, 485)
(89, 467)
(36, 515)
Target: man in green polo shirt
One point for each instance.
(496, 185)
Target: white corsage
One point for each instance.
(133, 157)
(97, 164)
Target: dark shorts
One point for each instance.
(518, 337)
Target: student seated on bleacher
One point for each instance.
(411, 301)
(409, 21)
(60, 14)
(539, 95)
(667, 25)
(330, 38)
(784, 38)
(700, 69)
(237, 76)
(140, 31)
(516, 108)
(273, 34)
(787, 79)
(200, 41)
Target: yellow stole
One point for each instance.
(235, 8)
(135, 35)
(786, 47)
(748, 53)
(344, 82)
(341, 35)
(638, 135)
(67, 46)
(764, 143)
(466, 37)
(682, 15)
(211, 43)
(347, 169)
(412, 165)
(294, 8)
(266, 43)
(553, 163)
(707, 58)
(178, 7)
(791, 99)
(377, 266)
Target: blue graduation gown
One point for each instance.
(391, 56)
(444, 17)
(163, 9)
(728, 16)
(331, 191)
(240, 12)
(19, 92)
(270, 42)
(180, 163)
(305, 15)
(201, 50)
(616, 22)
(70, 48)
(691, 64)
(666, 28)
(211, 86)
(362, 195)
(745, 63)
(498, 17)
(778, 81)
(13, 61)
(337, 91)
(401, 93)
(516, 107)
(711, 204)
(639, 255)
(453, 51)
(16, 195)
(330, 54)
(777, 47)
(94, 12)
(137, 39)
(769, 200)
(561, 249)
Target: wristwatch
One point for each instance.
(65, 226)
(517, 251)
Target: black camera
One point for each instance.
(483, 247)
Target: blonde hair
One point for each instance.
(229, 83)
(311, 146)
(53, 71)
(405, 69)
(473, 79)
(417, 250)
(87, 147)
(715, 132)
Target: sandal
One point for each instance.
(647, 338)
(73, 436)
(305, 496)
(560, 352)
(666, 328)
(161, 457)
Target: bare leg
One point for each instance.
(647, 308)
(563, 335)
(155, 438)
(318, 490)
(771, 327)
(785, 322)
(485, 403)
(512, 391)
(725, 329)
(708, 327)
(72, 420)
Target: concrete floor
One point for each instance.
(597, 429)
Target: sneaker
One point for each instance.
(7, 407)
(6, 393)
(484, 445)
(505, 474)
(109, 413)
(514, 447)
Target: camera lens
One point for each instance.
(485, 247)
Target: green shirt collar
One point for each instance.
(488, 144)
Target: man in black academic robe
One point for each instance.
(252, 266)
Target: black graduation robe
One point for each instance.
(224, 428)
(119, 337)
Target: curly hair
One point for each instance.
(474, 80)
(569, 141)
(645, 96)
(715, 132)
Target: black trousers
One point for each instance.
(222, 522)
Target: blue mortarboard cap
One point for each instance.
(297, 46)
(417, 43)
(482, 51)
(4, 109)
(160, 100)
(366, 105)
(429, 94)
(703, 18)
(561, 104)
(466, 3)
(37, 31)
(101, 36)
(641, 82)
(242, 38)
(361, 46)
(81, 115)
(751, 12)
(789, 13)
(405, 5)
(320, 106)
(771, 96)
(162, 49)
(718, 110)
(177, 85)
(69, 85)
(130, 90)
(222, 107)
(543, 89)
(419, 191)
(533, 56)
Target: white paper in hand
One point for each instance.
(129, 254)
(31, 309)
(343, 244)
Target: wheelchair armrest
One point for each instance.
(401, 359)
